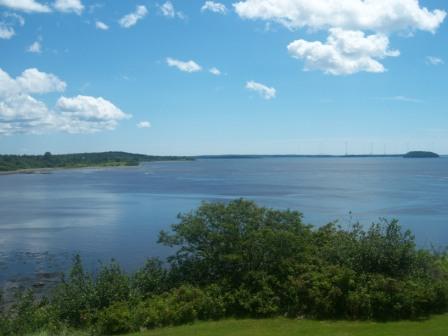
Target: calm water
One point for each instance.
(45, 218)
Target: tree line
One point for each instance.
(18, 162)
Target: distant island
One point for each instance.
(15, 163)
(420, 155)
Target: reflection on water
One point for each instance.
(105, 213)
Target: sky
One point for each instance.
(223, 77)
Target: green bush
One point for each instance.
(152, 279)
(115, 319)
(241, 260)
(111, 285)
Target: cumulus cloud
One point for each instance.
(7, 23)
(372, 15)
(28, 6)
(264, 91)
(347, 22)
(345, 52)
(215, 71)
(69, 6)
(21, 112)
(101, 25)
(88, 114)
(35, 47)
(144, 124)
(215, 7)
(188, 66)
(131, 19)
(432, 60)
(35, 81)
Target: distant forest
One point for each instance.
(105, 159)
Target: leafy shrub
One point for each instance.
(115, 319)
(111, 285)
(240, 260)
(151, 279)
(74, 299)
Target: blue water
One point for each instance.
(105, 213)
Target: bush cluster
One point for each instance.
(241, 260)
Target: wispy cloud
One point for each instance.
(35, 47)
(215, 7)
(131, 19)
(101, 25)
(432, 60)
(69, 6)
(185, 66)
(402, 99)
(215, 71)
(7, 23)
(264, 91)
(144, 124)
(167, 10)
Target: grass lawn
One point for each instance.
(436, 326)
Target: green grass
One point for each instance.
(436, 326)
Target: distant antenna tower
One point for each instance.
(371, 148)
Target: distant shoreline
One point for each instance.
(135, 160)
(32, 164)
(44, 171)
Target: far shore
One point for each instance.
(44, 171)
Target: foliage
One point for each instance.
(48, 160)
(241, 260)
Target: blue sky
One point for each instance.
(332, 74)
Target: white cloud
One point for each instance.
(26, 6)
(101, 25)
(68, 6)
(88, 114)
(371, 15)
(6, 32)
(215, 7)
(20, 112)
(264, 91)
(131, 19)
(7, 23)
(347, 21)
(432, 60)
(144, 124)
(188, 66)
(167, 9)
(35, 47)
(403, 99)
(13, 17)
(35, 81)
(345, 52)
(215, 71)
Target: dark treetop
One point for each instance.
(105, 159)
(421, 154)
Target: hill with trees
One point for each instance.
(420, 155)
(79, 160)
